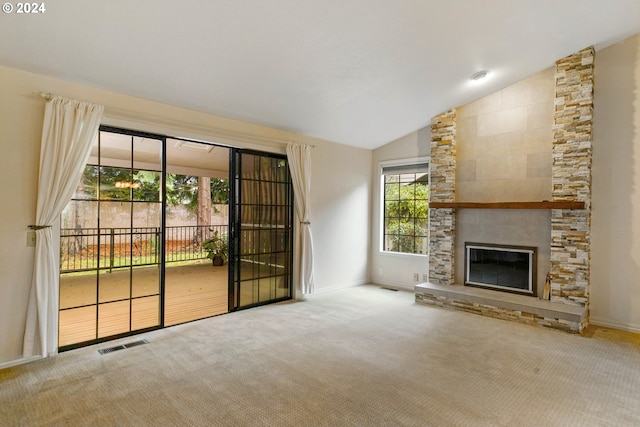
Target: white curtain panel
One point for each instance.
(69, 130)
(299, 157)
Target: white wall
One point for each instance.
(340, 184)
(390, 269)
(341, 178)
(615, 255)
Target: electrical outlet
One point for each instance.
(425, 277)
(31, 238)
(380, 272)
(416, 277)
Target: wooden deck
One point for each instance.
(192, 292)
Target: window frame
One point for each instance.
(382, 201)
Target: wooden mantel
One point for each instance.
(507, 205)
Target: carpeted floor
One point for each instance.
(362, 356)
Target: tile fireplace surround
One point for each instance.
(561, 227)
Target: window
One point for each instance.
(405, 194)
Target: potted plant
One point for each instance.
(217, 247)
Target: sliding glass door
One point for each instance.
(110, 234)
(163, 231)
(262, 229)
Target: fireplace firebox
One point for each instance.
(501, 267)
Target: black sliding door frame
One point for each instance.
(99, 200)
(241, 251)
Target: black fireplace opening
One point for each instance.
(501, 267)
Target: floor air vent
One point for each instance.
(389, 289)
(122, 346)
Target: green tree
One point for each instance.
(219, 191)
(183, 190)
(118, 184)
(406, 215)
(123, 184)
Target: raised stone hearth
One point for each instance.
(520, 308)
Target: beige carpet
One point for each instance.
(363, 356)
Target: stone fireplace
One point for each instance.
(515, 168)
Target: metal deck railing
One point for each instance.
(84, 249)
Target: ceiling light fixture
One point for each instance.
(475, 77)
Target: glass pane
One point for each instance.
(77, 325)
(250, 192)
(145, 312)
(281, 215)
(145, 246)
(115, 183)
(264, 266)
(422, 227)
(392, 191)
(282, 170)
(145, 249)
(266, 289)
(282, 290)
(146, 186)
(392, 226)
(147, 153)
(407, 192)
(114, 285)
(79, 236)
(115, 150)
(145, 281)
(389, 179)
(113, 318)
(78, 289)
(219, 191)
(248, 292)
(147, 217)
(250, 166)
(248, 267)
(392, 209)
(422, 192)
(248, 241)
(79, 214)
(421, 245)
(407, 178)
(115, 215)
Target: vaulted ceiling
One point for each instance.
(356, 72)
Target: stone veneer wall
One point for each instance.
(442, 189)
(571, 177)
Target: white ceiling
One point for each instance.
(356, 72)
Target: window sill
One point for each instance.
(403, 255)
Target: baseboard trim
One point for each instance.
(343, 286)
(615, 325)
(17, 362)
(395, 285)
